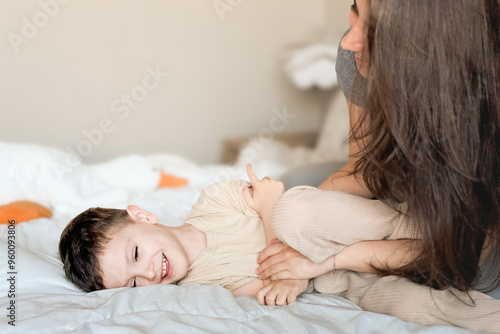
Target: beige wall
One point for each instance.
(68, 66)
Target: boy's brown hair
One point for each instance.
(84, 239)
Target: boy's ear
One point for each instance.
(136, 213)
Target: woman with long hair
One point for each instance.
(422, 80)
(429, 130)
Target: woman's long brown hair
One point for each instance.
(430, 129)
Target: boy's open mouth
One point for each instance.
(165, 267)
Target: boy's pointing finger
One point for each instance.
(251, 174)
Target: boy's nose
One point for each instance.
(150, 271)
(147, 272)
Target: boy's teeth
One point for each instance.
(164, 266)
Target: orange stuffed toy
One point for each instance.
(21, 211)
(171, 181)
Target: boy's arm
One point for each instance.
(250, 288)
(261, 197)
(268, 230)
(266, 215)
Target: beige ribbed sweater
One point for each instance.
(321, 223)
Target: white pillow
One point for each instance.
(37, 264)
(27, 171)
(333, 138)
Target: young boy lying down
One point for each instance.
(219, 244)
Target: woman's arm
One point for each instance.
(279, 261)
(381, 254)
(344, 180)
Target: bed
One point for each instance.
(37, 298)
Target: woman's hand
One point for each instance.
(281, 293)
(279, 261)
(263, 194)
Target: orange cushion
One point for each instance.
(171, 181)
(21, 211)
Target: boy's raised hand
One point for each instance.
(263, 194)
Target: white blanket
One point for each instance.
(45, 302)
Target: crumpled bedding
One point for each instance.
(45, 302)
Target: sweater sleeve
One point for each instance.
(320, 223)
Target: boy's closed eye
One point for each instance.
(136, 254)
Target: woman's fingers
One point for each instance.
(283, 262)
(272, 249)
(275, 272)
(269, 262)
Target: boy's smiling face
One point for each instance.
(142, 253)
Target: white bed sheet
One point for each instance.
(47, 303)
